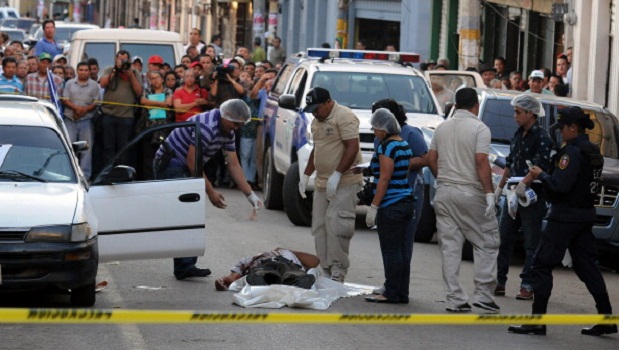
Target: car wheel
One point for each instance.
(298, 209)
(467, 251)
(427, 223)
(83, 296)
(273, 182)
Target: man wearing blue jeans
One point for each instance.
(531, 143)
(176, 159)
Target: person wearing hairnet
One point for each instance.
(393, 206)
(530, 143)
(414, 137)
(464, 203)
(176, 158)
(572, 185)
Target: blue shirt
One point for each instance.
(414, 137)
(45, 46)
(12, 85)
(211, 138)
(399, 187)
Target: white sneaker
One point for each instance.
(379, 291)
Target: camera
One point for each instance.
(222, 70)
(125, 65)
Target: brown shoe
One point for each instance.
(524, 294)
(499, 291)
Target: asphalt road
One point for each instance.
(231, 235)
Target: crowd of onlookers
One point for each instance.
(107, 108)
(496, 76)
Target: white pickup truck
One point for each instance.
(355, 79)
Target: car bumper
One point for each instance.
(41, 265)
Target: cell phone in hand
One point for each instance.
(529, 164)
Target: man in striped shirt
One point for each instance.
(217, 128)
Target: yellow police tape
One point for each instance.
(108, 316)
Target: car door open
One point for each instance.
(140, 217)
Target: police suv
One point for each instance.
(355, 79)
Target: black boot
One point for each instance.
(528, 329)
(600, 329)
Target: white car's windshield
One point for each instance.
(33, 154)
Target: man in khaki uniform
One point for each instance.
(464, 203)
(335, 130)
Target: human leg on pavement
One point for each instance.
(532, 218)
(392, 222)
(450, 242)
(483, 233)
(319, 229)
(340, 227)
(583, 250)
(85, 132)
(508, 232)
(248, 163)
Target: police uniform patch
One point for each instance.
(564, 161)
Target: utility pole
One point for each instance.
(342, 24)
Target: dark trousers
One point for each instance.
(396, 247)
(173, 171)
(529, 221)
(116, 134)
(578, 238)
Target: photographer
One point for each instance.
(123, 86)
(226, 84)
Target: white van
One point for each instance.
(103, 44)
(8, 12)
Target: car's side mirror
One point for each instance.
(287, 102)
(448, 107)
(119, 174)
(80, 146)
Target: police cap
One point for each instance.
(573, 115)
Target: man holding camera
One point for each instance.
(123, 86)
(226, 84)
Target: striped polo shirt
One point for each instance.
(399, 187)
(211, 138)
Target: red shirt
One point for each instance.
(188, 97)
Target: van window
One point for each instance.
(166, 51)
(105, 53)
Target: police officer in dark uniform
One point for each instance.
(571, 188)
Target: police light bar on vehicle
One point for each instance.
(404, 57)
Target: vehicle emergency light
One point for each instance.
(404, 57)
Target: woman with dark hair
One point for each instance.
(414, 137)
(157, 102)
(171, 80)
(393, 206)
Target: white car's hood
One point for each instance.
(27, 204)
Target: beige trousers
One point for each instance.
(460, 214)
(333, 225)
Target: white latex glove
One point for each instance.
(520, 189)
(370, 217)
(332, 183)
(497, 194)
(254, 200)
(302, 184)
(490, 203)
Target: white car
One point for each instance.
(55, 228)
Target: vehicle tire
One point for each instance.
(467, 251)
(298, 209)
(272, 183)
(427, 223)
(83, 296)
